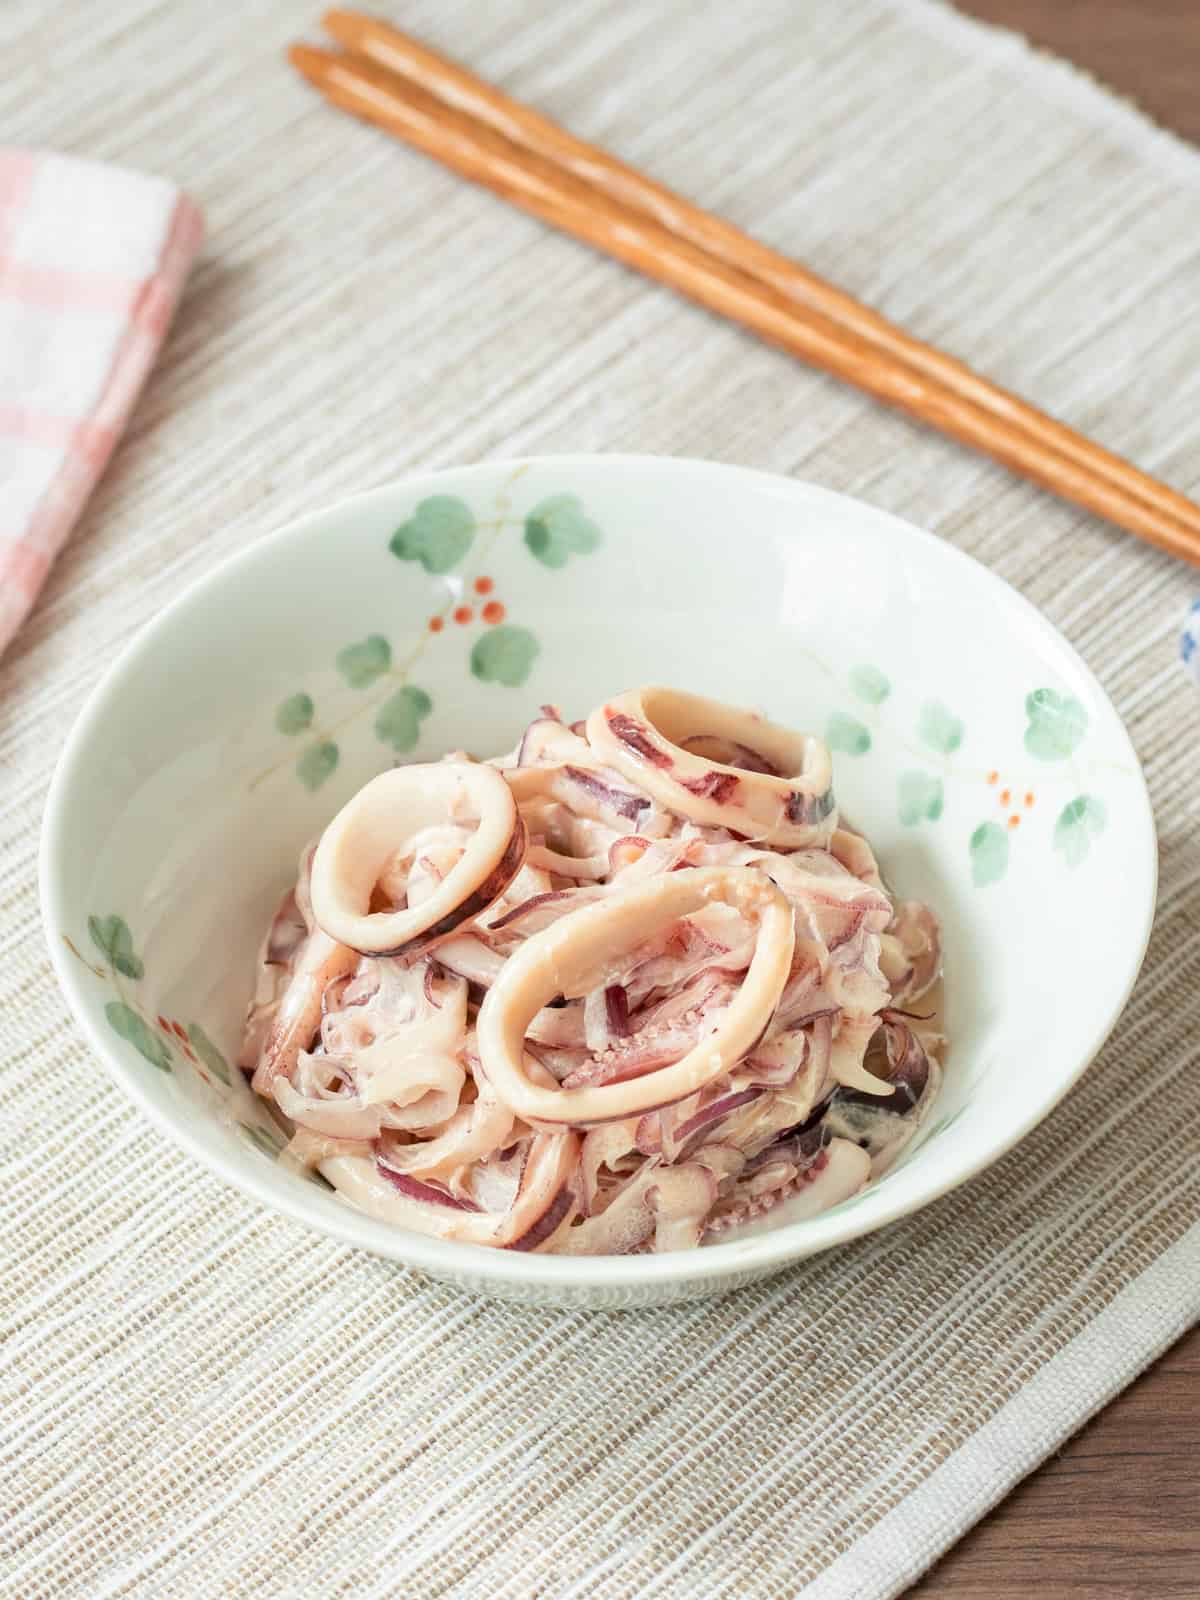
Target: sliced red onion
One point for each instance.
(795, 1024)
(546, 1223)
(431, 972)
(616, 1002)
(715, 1112)
(427, 1192)
(801, 1146)
(908, 1070)
(428, 1209)
(559, 901)
(621, 801)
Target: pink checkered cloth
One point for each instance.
(92, 260)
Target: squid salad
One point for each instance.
(633, 986)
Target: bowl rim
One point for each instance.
(754, 1256)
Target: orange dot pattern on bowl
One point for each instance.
(1006, 798)
(176, 1032)
(492, 612)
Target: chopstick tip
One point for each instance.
(310, 62)
(344, 25)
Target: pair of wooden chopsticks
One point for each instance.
(386, 78)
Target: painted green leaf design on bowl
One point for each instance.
(1083, 820)
(124, 1020)
(870, 684)
(558, 528)
(939, 728)
(269, 1144)
(208, 1053)
(362, 663)
(398, 720)
(1057, 724)
(920, 797)
(112, 936)
(847, 734)
(294, 714)
(438, 534)
(504, 655)
(989, 854)
(317, 763)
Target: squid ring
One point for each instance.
(777, 788)
(569, 958)
(361, 840)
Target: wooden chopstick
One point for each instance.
(396, 52)
(1088, 476)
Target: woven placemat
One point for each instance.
(200, 1399)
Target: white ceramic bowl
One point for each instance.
(971, 744)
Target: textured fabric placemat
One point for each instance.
(199, 1399)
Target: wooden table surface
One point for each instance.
(1115, 1516)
